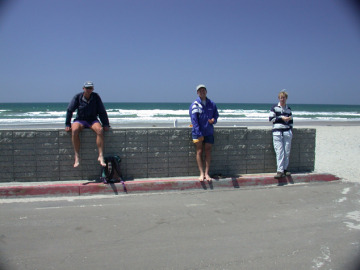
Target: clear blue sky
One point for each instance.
(159, 50)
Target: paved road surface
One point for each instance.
(301, 226)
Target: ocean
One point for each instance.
(32, 114)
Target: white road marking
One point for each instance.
(354, 216)
(343, 199)
(324, 258)
(195, 204)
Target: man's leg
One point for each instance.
(287, 148)
(279, 150)
(97, 128)
(76, 128)
(199, 150)
(208, 148)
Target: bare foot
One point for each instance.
(77, 161)
(201, 178)
(208, 178)
(102, 161)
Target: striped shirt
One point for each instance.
(275, 116)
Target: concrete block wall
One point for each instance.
(47, 155)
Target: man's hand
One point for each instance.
(67, 129)
(211, 121)
(286, 119)
(106, 128)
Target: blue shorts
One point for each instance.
(206, 139)
(86, 124)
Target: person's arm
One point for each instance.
(70, 110)
(68, 118)
(102, 113)
(216, 114)
(194, 116)
(286, 118)
(272, 115)
(290, 121)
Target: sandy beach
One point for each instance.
(338, 151)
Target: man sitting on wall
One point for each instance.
(89, 107)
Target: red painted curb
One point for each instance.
(79, 189)
(40, 190)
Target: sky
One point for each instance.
(244, 51)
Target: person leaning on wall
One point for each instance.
(204, 114)
(281, 117)
(89, 108)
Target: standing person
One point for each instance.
(89, 107)
(281, 117)
(204, 114)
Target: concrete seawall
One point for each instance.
(47, 155)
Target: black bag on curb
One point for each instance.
(111, 173)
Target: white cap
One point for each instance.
(200, 86)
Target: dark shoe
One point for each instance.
(287, 173)
(279, 175)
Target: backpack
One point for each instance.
(112, 166)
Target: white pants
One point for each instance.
(282, 146)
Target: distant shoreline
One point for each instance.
(142, 124)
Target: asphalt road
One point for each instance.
(301, 226)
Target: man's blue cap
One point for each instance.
(88, 84)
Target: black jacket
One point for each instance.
(87, 110)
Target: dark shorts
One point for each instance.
(207, 139)
(86, 124)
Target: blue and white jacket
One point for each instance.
(276, 112)
(200, 115)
